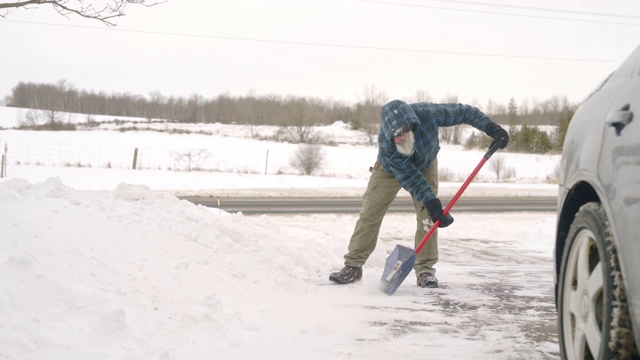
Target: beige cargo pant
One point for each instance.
(381, 191)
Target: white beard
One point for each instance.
(406, 147)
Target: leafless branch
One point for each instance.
(110, 11)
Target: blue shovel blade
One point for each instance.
(399, 264)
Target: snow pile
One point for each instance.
(135, 273)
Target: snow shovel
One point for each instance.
(400, 263)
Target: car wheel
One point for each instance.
(594, 318)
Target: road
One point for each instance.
(316, 205)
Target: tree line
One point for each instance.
(296, 115)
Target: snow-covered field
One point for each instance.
(107, 263)
(216, 148)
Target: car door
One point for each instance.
(619, 171)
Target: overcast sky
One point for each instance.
(331, 49)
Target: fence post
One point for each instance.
(3, 166)
(135, 158)
(266, 163)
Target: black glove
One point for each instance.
(497, 133)
(434, 207)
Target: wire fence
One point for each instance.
(259, 161)
(523, 167)
(69, 155)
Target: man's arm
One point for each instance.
(452, 114)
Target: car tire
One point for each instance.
(594, 320)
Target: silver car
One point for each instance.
(597, 248)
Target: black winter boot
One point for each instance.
(427, 280)
(347, 275)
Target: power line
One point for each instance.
(302, 43)
(537, 8)
(501, 13)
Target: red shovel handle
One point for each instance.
(455, 198)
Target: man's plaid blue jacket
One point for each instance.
(426, 119)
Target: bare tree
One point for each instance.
(490, 107)
(301, 121)
(107, 12)
(368, 112)
(31, 119)
(191, 159)
(46, 120)
(193, 109)
(423, 96)
(254, 113)
(53, 117)
(452, 134)
(153, 105)
(497, 165)
(308, 158)
(524, 108)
